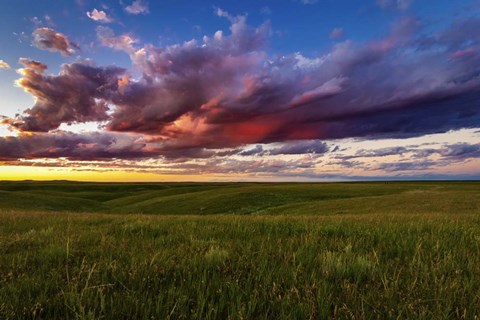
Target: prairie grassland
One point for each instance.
(360, 251)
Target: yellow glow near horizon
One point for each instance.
(46, 173)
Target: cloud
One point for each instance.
(301, 147)
(87, 146)
(406, 166)
(336, 33)
(37, 66)
(123, 42)
(258, 149)
(51, 40)
(289, 148)
(394, 4)
(375, 153)
(4, 65)
(266, 10)
(138, 7)
(451, 152)
(447, 153)
(461, 151)
(47, 20)
(328, 89)
(251, 167)
(78, 94)
(226, 91)
(99, 15)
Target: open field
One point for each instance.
(397, 250)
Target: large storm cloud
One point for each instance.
(226, 91)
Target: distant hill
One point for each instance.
(239, 198)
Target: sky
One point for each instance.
(267, 90)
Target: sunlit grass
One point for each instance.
(410, 261)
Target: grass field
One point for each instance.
(397, 250)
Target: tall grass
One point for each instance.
(348, 266)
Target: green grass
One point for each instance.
(241, 251)
(225, 198)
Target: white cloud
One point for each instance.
(138, 7)
(99, 15)
(303, 62)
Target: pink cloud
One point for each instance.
(465, 53)
(227, 91)
(99, 15)
(51, 40)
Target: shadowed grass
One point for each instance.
(235, 198)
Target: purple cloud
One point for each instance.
(91, 146)
(51, 40)
(226, 91)
(452, 152)
(301, 147)
(33, 65)
(461, 151)
(78, 94)
(406, 166)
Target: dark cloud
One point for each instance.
(406, 166)
(418, 176)
(345, 163)
(254, 151)
(461, 151)
(226, 91)
(455, 152)
(448, 152)
(51, 40)
(72, 146)
(34, 65)
(114, 150)
(233, 90)
(374, 153)
(232, 166)
(290, 148)
(80, 93)
(301, 147)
